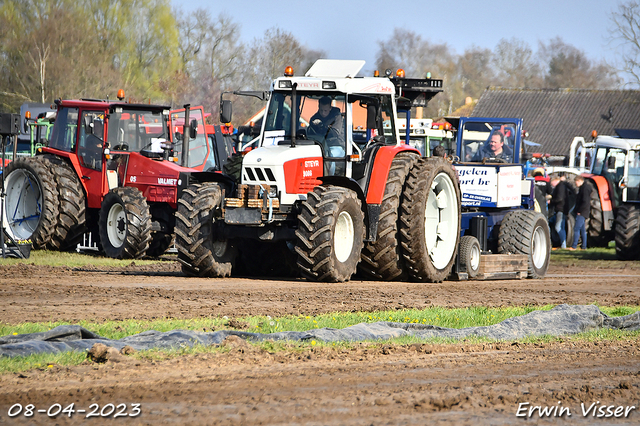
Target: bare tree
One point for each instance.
(265, 59)
(475, 71)
(516, 65)
(417, 57)
(625, 32)
(567, 66)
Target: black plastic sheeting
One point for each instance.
(559, 321)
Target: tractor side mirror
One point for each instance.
(226, 111)
(193, 129)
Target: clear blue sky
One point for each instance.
(351, 29)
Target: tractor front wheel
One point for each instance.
(627, 231)
(200, 251)
(330, 234)
(125, 224)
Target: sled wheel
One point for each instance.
(527, 232)
(469, 253)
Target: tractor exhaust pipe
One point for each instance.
(294, 115)
(186, 130)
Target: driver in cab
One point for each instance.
(327, 124)
(494, 148)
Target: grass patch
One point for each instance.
(451, 318)
(593, 258)
(73, 260)
(442, 317)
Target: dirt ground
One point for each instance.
(488, 384)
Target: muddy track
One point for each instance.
(368, 384)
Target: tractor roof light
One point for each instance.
(376, 73)
(120, 94)
(594, 134)
(27, 115)
(288, 71)
(328, 84)
(400, 73)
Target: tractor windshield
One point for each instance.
(491, 140)
(136, 130)
(320, 118)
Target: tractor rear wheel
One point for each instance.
(526, 232)
(31, 201)
(330, 234)
(124, 224)
(430, 220)
(627, 229)
(469, 253)
(200, 251)
(72, 207)
(382, 258)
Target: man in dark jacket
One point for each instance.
(494, 148)
(583, 210)
(560, 204)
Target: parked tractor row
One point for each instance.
(330, 191)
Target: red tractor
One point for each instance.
(109, 168)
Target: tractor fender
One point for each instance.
(371, 211)
(602, 186)
(380, 171)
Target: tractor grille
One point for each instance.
(258, 174)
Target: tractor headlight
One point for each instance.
(273, 192)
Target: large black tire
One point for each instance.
(430, 220)
(596, 235)
(469, 253)
(199, 251)
(233, 166)
(31, 202)
(526, 232)
(71, 207)
(382, 258)
(124, 224)
(330, 234)
(627, 230)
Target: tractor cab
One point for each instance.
(482, 140)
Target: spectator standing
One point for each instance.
(583, 210)
(560, 204)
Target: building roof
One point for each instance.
(553, 117)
